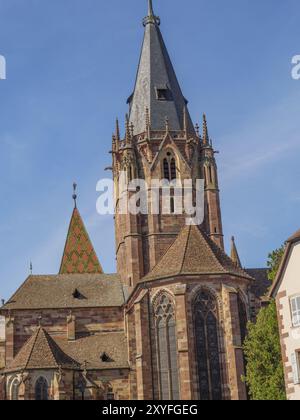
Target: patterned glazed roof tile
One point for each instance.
(193, 252)
(79, 255)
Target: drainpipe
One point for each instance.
(150, 338)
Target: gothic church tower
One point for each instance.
(160, 143)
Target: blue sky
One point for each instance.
(71, 65)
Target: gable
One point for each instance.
(290, 277)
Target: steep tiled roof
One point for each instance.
(79, 255)
(46, 292)
(41, 352)
(295, 237)
(90, 349)
(193, 252)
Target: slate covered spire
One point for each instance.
(156, 88)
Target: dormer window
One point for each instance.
(77, 295)
(163, 93)
(105, 358)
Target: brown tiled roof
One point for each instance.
(79, 255)
(89, 349)
(55, 292)
(289, 246)
(193, 252)
(262, 284)
(295, 237)
(41, 352)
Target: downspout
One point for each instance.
(150, 339)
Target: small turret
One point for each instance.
(234, 253)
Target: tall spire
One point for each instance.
(156, 87)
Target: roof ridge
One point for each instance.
(165, 253)
(54, 348)
(33, 345)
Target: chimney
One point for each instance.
(71, 327)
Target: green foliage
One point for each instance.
(265, 377)
(274, 260)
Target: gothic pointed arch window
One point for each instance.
(165, 349)
(41, 389)
(169, 166)
(14, 390)
(207, 346)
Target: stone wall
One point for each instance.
(183, 291)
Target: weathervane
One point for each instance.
(74, 196)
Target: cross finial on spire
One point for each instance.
(30, 267)
(74, 196)
(151, 18)
(205, 131)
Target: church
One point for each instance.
(170, 324)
